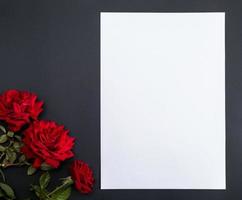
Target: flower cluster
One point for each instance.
(41, 144)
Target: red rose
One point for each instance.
(82, 176)
(17, 108)
(47, 142)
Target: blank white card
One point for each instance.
(163, 101)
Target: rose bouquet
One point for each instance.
(42, 145)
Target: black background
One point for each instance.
(52, 48)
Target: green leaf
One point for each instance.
(22, 158)
(45, 167)
(62, 194)
(42, 194)
(1, 193)
(3, 138)
(6, 157)
(2, 148)
(10, 134)
(31, 170)
(44, 180)
(7, 190)
(11, 156)
(2, 129)
(36, 189)
(17, 146)
(5, 161)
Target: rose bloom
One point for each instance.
(47, 142)
(82, 176)
(17, 108)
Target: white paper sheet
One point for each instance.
(162, 101)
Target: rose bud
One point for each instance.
(82, 176)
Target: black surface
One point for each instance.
(52, 47)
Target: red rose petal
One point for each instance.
(45, 141)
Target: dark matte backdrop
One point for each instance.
(52, 47)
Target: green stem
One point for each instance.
(68, 181)
(2, 174)
(1, 156)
